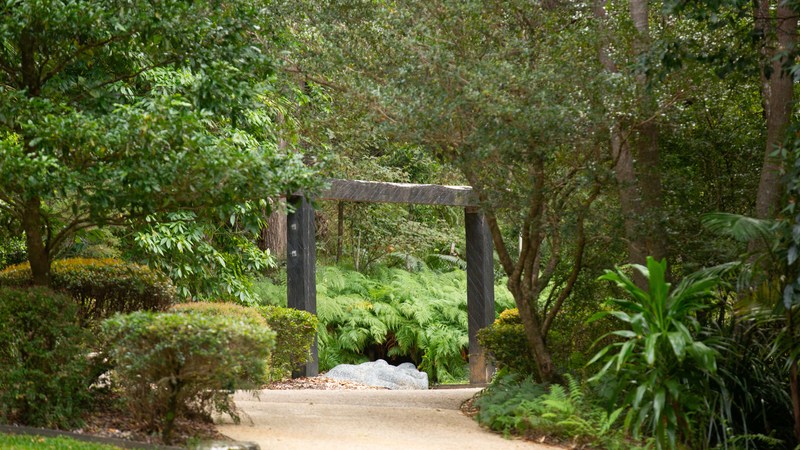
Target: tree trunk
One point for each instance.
(640, 192)
(629, 202)
(34, 238)
(649, 178)
(273, 235)
(648, 174)
(777, 93)
(541, 354)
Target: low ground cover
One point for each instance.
(21, 442)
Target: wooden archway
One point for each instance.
(301, 254)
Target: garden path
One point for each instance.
(362, 419)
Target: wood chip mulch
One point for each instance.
(116, 422)
(320, 382)
(469, 409)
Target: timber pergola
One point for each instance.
(301, 254)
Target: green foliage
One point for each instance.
(507, 344)
(12, 251)
(295, 332)
(769, 303)
(514, 405)
(270, 293)
(45, 376)
(394, 313)
(172, 364)
(206, 259)
(24, 442)
(134, 110)
(663, 370)
(757, 383)
(102, 287)
(223, 309)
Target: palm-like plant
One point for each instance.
(769, 285)
(662, 368)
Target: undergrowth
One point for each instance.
(515, 405)
(394, 314)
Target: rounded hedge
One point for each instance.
(173, 364)
(223, 309)
(44, 372)
(102, 287)
(294, 330)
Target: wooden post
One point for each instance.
(301, 287)
(480, 291)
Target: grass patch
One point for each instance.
(22, 442)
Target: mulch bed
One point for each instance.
(109, 420)
(321, 383)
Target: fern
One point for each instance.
(421, 315)
(513, 406)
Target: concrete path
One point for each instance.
(368, 420)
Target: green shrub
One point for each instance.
(231, 311)
(44, 375)
(517, 405)
(569, 340)
(295, 331)
(12, 251)
(223, 309)
(102, 286)
(507, 345)
(183, 363)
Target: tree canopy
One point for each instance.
(114, 110)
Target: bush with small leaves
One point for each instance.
(295, 333)
(44, 374)
(294, 330)
(224, 309)
(102, 287)
(507, 345)
(172, 364)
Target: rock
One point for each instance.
(228, 445)
(379, 373)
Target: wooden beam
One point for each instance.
(382, 192)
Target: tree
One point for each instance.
(488, 88)
(635, 137)
(92, 134)
(761, 41)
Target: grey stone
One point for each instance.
(381, 374)
(228, 445)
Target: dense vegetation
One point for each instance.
(637, 164)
